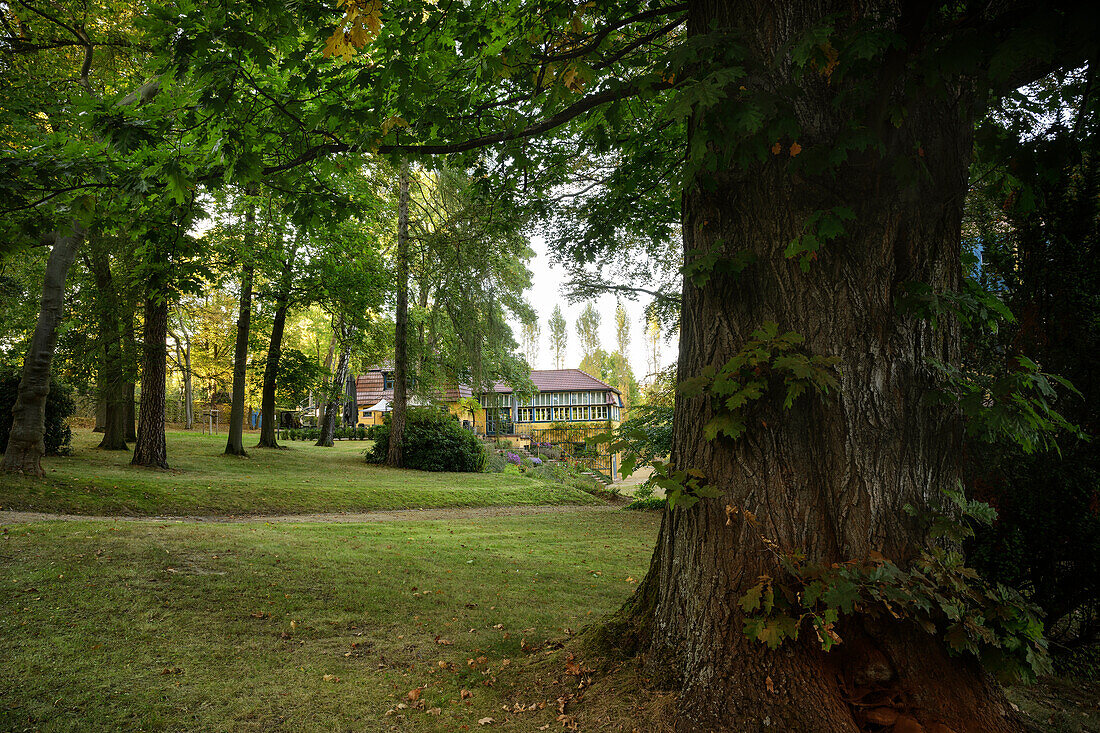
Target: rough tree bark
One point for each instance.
(112, 369)
(274, 352)
(26, 445)
(234, 446)
(328, 417)
(151, 448)
(401, 325)
(829, 477)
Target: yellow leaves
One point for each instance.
(360, 25)
(832, 58)
(391, 122)
(795, 149)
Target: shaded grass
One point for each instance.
(302, 478)
(234, 626)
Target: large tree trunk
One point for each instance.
(831, 475)
(112, 379)
(401, 325)
(26, 445)
(234, 446)
(151, 448)
(328, 418)
(274, 352)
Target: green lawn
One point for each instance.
(302, 478)
(173, 626)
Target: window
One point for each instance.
(560, 413)
(542, 414)
(366, 413)
(574, 398)
(387, 380)
(614, 413)
(525, 414)
(599, 412)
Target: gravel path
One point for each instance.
(394, 515)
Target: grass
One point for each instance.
(301, 479)
(183, 626)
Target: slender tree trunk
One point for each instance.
(26, 444)
(401, 325)
(274, 352)
(830, 476)
(188, 390)
(151, 448)
(131, 359)
(131, 416)
(112, 380)
(328, 422)
(235, 444)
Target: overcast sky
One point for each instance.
(545, 293)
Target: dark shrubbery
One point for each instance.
(59, 407)
(433, 441)
(1046, 539)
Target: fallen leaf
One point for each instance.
(465, 694)
(413, 694)
(486, 721)
(795, 149)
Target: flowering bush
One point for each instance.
(536, 462)
(513, 458)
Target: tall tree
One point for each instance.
(274, 349)
(559, 336)
(335, 399)
(235, 442)
(653, 352)
(25, 442)
(401, 323)
(530, 332)
(622, 331)
(112, 369)
(588, 333)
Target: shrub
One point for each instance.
(649, 503)
(360, 433)
(59, 406)
(432, 442)
(536, 461)
(513, 458)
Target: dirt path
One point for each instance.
(393, 515)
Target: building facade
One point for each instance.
(562, 396)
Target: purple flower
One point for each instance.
(536, 461)
(513, 458)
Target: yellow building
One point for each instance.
(563, 396)
(568, 408)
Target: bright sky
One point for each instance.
(545, 293)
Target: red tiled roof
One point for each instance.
(368, 390)
(560, 380)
